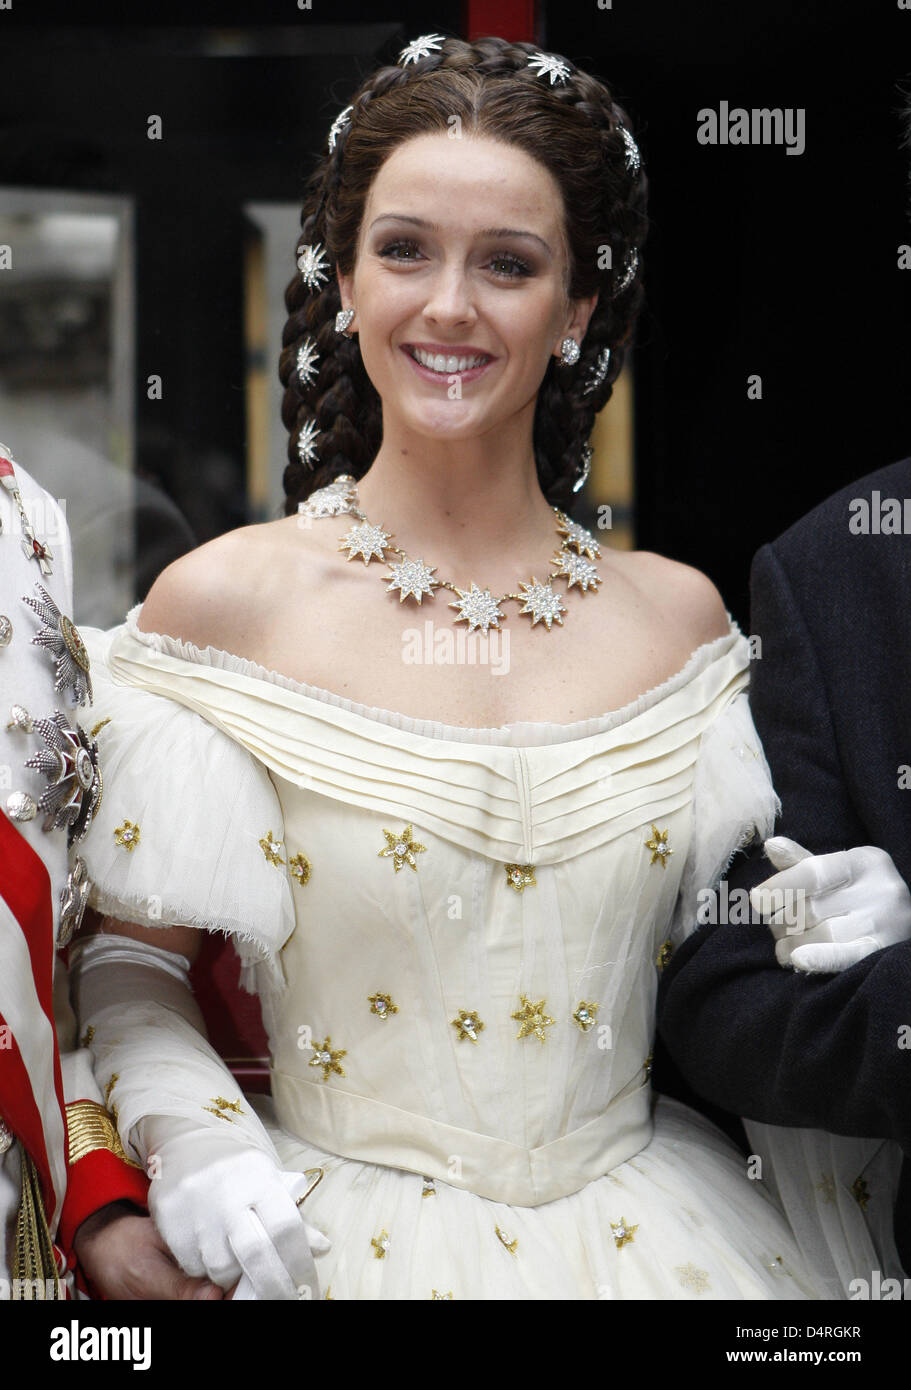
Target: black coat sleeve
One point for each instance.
(765, 1042)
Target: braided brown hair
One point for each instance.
(574, 129)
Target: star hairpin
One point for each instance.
(338, 125)
(549, 65)
(312, 264)
(633, 160)
(420, 48)
(628, 274)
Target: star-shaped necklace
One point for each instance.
(478, 607)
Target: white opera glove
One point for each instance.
(227, 1210)
(829, 911)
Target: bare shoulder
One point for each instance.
(216, 595)
(682, 594)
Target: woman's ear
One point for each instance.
(581, 310)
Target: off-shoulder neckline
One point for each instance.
(544, 731)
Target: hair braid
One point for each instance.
(574, 129)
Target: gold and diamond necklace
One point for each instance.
(477, 607)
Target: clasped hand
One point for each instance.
(828, 911)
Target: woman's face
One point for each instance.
(461, 263)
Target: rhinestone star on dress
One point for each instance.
(380, 1245)
(127, 836)
(338, 125)
(623, 1234)
(420, 48)
(533, 1019)
(692, 1278)
(313, 264)
(271, 848)
(543, 603)
(60, 636)
(382, 1005)
(578, 536)
(307, 358)
(468, 1024)
(299, 868)
(503, 1238)
(413, 579)
(585, 1015)
(577, 570)
(335, 499)
(366, 540)
(306, 444)
(401, 847)
(478, 608)
(520, 876)
(548, 65)
(327, 1057)
(659, 847)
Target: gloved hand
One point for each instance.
(828, 911)
(226, 1209)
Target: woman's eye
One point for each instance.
(515, 268)
(399, 246)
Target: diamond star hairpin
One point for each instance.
(629, 273)
(420, 48)
(312, 264)
(633, 160)
(549, 65)
(306, 444)
(598, 372)
(338, 125)
(307, 358)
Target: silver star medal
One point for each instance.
(577, 570)
(338, 125)
(548, 65)
(420, 48)
(478, 608)
(578, 536)
(312, 264)
(335, 499)
(60, 636)
(543, 603)
(365, 540)
(413, 579)
(307, 358)
(70, 763)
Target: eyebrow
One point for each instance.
(485, 231)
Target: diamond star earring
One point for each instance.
(342, 320)
(569, 352)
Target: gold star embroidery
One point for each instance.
(219, 1104)
(440, 1296)
(299, 867)
(382, 1005)
(468, 1024)
(380, 1245)
(623, 1234)
(401, 847)
(325, 1057)
(270, 848)
(827, 1187)
(127, 835)
(99, 726)
(504, 1240)
(112, 1082)
(861, 1193)
(665, 951)
(692, 1278)
(328, 1294)
(533, 1019)
(429, 1188)
(520, 876)
(87, 1036)
(585, 1015)
(659, 847)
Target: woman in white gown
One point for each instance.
(453, 909)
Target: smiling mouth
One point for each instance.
(448, 365)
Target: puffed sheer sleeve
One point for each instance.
(179, 835)
(734, 805)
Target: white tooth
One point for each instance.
(439, 363)
(452, 364)
(463, 365)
